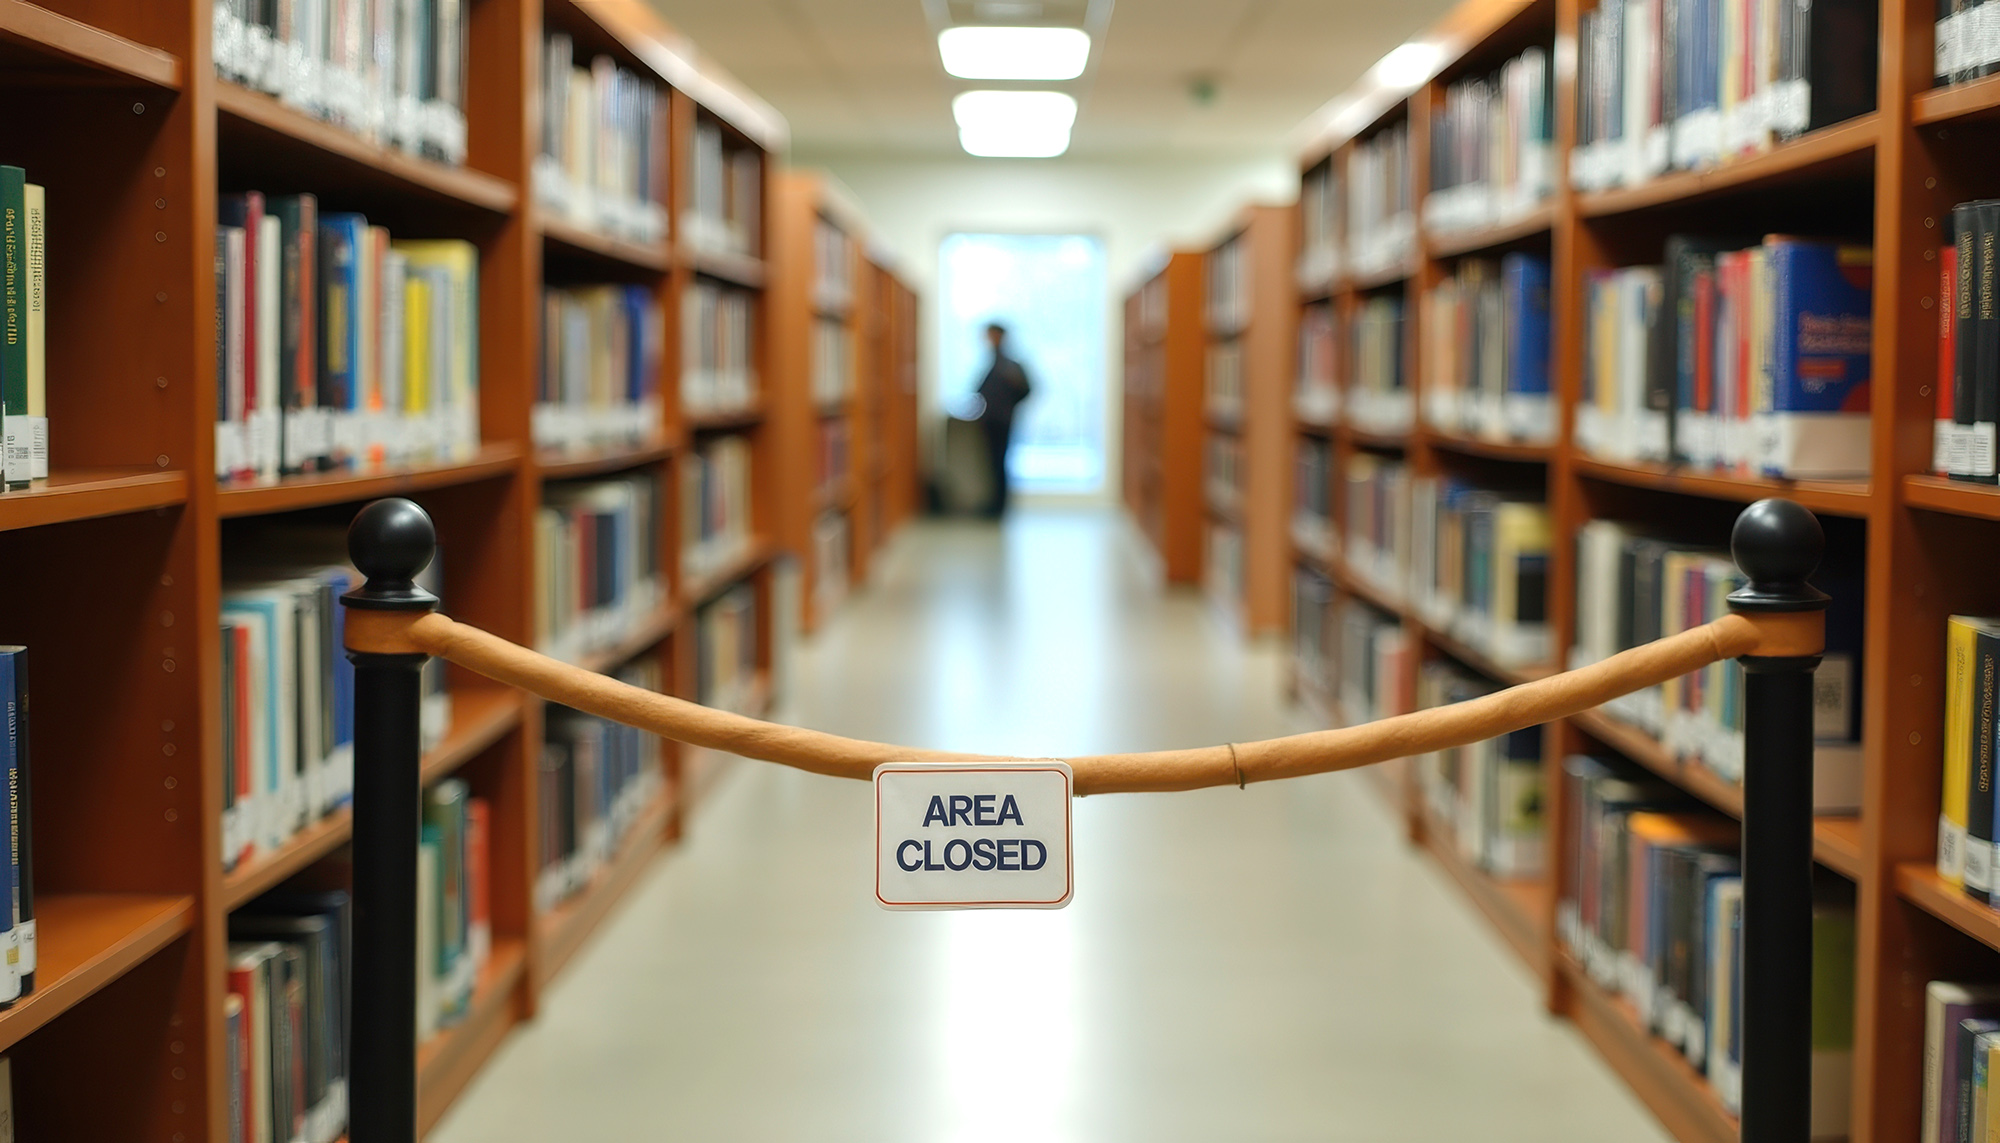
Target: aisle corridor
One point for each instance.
(1270, 964)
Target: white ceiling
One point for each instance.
(862, 76)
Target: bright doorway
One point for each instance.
(1049, 291)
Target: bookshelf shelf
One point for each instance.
(86, 494)
(722, 420)
(568, 239)
(1974, 100)
(1844, 148)
(736, 269)
(701, 589)
(834, 494)
(316, 489)
(86, 941)
(1956, 497)
(1491, 450)
(35, 40)
(1534, 222)
(1316, 428)
(1480, 661)
(1836, 840)
(1519, 909)
(1386, 276)
(448, 1060)
(561, 930)
(326, 157)
(1831, 497)
(1223, 423)
(644, 636)
(1918, 883)
(564, 466)
(480, 715)
(1370, 438)
(1360, 588)
(1658, 1073)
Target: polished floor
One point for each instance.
(1270, 964)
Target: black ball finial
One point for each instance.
(391, 542)
(1777, 544)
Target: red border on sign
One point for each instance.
(1069, 840)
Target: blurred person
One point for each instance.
(1005, 387)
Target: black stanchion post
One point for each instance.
(1777, 544)
(390, 542)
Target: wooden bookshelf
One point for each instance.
(1895, 173)
(135, 138)
(876, 415)
(1164, 351)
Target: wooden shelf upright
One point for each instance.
(1164, 352)
(116, 562)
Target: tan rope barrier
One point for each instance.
(1314, 753)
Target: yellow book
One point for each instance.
(416, 344)
(456, 392)
(38, 341)
(1961, 640)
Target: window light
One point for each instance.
(1014, 124)
(1014, 53)
(1408, 65)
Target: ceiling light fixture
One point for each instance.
(1014, 53)
(1014, 124)
(1408, 65)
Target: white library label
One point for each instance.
(987, 835)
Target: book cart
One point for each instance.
(1891, 175)
(115, 562)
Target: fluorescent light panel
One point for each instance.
(1014, 53)
(1014, 124)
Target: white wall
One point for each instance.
(1135, 208)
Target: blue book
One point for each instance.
(22, 803)
(1524, 287)
(1813, 420)
(341, 240)
(10, 758)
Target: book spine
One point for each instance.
(38, 348)
(10, 754)
(17, 459)
(1979, 780)
(1944, 429)
(24, 917)
(1986, 352)
(1965, 346)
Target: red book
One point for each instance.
(1704, 350)
(1944, 434)
(479, 901)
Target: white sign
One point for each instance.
(991, 835)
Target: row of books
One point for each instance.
(1224, 396)
(1371, 663)
(1479, 567)
(1634, 586)
(391, 71)
(1968, 377)
(1965, 41)
(1489, 795)
(1378, 390)
(1492, 145)
(833, 267)
(1966, 854)
(18, 928)
(1316, 393)
(1375, 537)
(725, 207)
(832, 548)
(597, 563)
(288, 689)
(600, 379)
(454, 904)
(1683, 84)
(1222, 564)
(602, 160)
(1961, 1033)
(286, 1017)
(337, 347)
(596, 780)
(1751, 360)
(24, 416)
(725, 651)
(715, 505)
(834, 462)
(1486, 351)
(832, 361)
(1315, 625)
(1650, 902)
(1222, 472)
(718, 349)
(1312, 497)
(1381, 203)
(1226, 286)
(1321, 207)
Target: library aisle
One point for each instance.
(1269, 964)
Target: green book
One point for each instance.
(19, 439)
